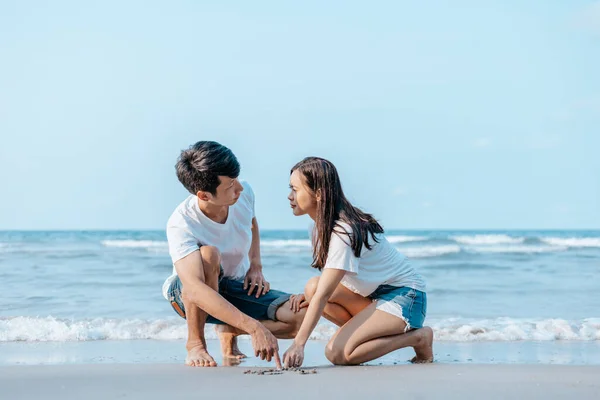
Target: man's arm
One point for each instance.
(206, 298)
(254, 278)
(255, 246)
(190, 272)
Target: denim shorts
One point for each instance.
(261, 309)
(408, 304)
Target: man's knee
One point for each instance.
(292, 320)
(297, 321)
(211, 259)
(311, 287)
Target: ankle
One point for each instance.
(194, 344)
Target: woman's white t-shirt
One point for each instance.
(382, 265)
(188, 229)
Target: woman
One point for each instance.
(366, 286)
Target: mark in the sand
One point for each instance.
(272, 371)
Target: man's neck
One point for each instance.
(216, 213)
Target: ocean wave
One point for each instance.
(404, 239)
(508, 329)
(286, 243)
(487, 239)
(492, 243)
(572, 242)
(134, 244)
(523, 249)
(430, 251)
(50, 329)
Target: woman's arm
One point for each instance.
(329, 280)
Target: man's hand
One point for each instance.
(298, 302)
(265, 345)
(294, 356)
(255, 280)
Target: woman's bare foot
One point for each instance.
(228, 338)
(424, 350)
(197, 356)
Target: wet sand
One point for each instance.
(168, 381)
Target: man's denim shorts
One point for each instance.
(408, 304)
(261, 309)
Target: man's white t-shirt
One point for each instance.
(188, 229)
(382, 265)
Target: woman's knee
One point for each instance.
(311, 287)
(335, 354)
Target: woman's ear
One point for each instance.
(318, 194)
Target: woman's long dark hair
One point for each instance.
(321, 177)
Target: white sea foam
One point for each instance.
(51, 329)
(64, 330)
(508, 329)
(487, 239)
(286, 243)
(147, 244)
(404, 239)
(572, 242)
(430, 251)
(524, 249)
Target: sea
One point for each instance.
(525, 296)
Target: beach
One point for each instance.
(515, 315)
(167, 381)
(154, 369)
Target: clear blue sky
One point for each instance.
(439, 114)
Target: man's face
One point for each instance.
(228, 192)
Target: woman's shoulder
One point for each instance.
(342, 227)
(341, 234)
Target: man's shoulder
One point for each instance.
(248, 192)
(181, 214)
(247, 187)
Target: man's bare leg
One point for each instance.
(228, 338)
(286, 327)
(197, 354)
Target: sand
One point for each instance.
(171, 381)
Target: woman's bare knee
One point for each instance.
(335, 354)
(311, 287)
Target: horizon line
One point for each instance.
(302, 230)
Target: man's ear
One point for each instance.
(204, 196)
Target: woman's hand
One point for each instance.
(298, 302)
(294, 356)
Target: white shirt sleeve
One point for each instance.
(247, 187)
(181, 241)
(340, 254)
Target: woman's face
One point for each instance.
(302, 200)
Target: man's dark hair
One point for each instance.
(198, 167)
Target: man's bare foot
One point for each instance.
(424, 350)
(228, 338)
(197, 356)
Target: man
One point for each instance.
(217, 272)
